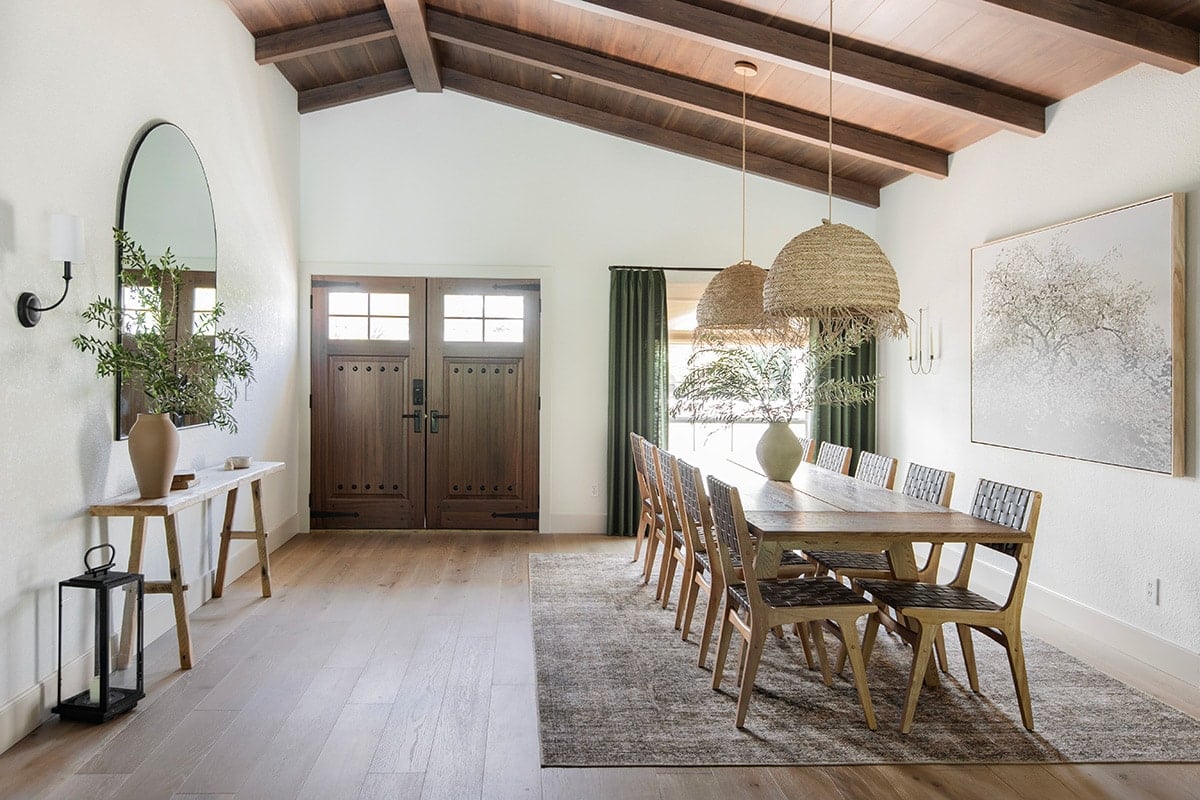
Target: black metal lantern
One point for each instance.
(116, 684)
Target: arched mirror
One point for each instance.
(165, 203)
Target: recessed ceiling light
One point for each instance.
(556, 75)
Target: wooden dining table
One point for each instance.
(824, 510)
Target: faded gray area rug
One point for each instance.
(617, 687)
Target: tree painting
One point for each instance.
(1072, 353)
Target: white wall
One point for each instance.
(448, 185)
(1105, 531)
(81, 78)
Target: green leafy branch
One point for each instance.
(768, 380)
(180, 370)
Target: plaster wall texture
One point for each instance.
(81, 80)
(1105, 531)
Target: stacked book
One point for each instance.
(183, 480)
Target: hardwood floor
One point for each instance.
(401, 666)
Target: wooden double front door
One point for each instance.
(424, 403)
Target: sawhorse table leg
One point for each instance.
(174, 587)
(136, 547)
(259, 534)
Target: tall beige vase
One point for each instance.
(779, 451)
(153, 448)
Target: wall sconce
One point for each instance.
(920, 360)
(66, 245)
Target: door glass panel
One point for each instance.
(390, 328)
(505, 306)
(348, 303)
(463, 330)
(503, 330)
(139, 315)
(347, 327)
(464, 305)
(204, 299)
(389, 305)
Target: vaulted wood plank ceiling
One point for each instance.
(914, 80)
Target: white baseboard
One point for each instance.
(1042, 603)
(32, 707)
(576, 523)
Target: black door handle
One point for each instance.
(416, 418)
(434, 416)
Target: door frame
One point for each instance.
(543, 275)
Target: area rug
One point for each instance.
(617, 687)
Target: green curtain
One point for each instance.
(637, 382)
(849, 426)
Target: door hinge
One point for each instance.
(310, 301)
(539, 402)
(310, 401)
(514, 515)
(310, 499)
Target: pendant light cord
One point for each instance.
(744, 79)
(830, 157)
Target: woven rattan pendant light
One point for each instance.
(732, 302)
(834, 273)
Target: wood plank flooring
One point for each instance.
(400, 666)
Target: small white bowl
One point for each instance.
(238, 462)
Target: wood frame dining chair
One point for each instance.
(705, 572)
(808, 450)
(876, 470)
(834, 457)
(645, 521)
(684, 545)
(768, 604)
(658, 527)
(920, 482)
(928, 606)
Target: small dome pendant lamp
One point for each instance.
(732, 305)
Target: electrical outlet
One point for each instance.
(595, 490)
(1152, 588)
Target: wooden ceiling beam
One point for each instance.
(349, 91)
(755, 40)
(323, 36)
(408, 21)
(657, 136)
(782, 120)
(1138, 36)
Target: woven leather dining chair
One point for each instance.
(705, 572)
(876, 470)
(834, 457)
(808, 450)
(770, 604)
(928, 606)
(645, 521)
(658, 533)
(923, 483)
(685, 543)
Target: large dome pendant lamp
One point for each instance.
(835, 274)
(731, 308)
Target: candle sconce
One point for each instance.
(920, 345)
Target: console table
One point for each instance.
(211, 482)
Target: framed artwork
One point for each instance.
(1077, 338)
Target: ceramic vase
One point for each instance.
(779, 451)
(153, 448)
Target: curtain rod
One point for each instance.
(672, 269)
